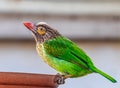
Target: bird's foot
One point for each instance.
(60, 79)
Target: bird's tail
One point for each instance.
(104, 74)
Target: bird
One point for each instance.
(61, 53)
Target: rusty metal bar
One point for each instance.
(20, 86)
(25, 80)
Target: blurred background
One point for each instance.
(93, 24)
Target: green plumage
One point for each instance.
(61, 53)
(66, 57)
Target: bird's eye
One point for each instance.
(41, 30)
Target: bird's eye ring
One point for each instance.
(41, 30)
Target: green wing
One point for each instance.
(64, 49)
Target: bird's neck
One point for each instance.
(50, 34)
(46, 38)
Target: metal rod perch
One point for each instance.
(28, 80)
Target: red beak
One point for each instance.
(29, 25)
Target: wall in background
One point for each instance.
(79, 20)
(83, 19)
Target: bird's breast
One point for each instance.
(41, 52)
(39, 48)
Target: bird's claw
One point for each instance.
(60, 79)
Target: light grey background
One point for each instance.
(94, 25)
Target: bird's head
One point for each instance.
(41, 31)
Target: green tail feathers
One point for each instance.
(104, 74)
